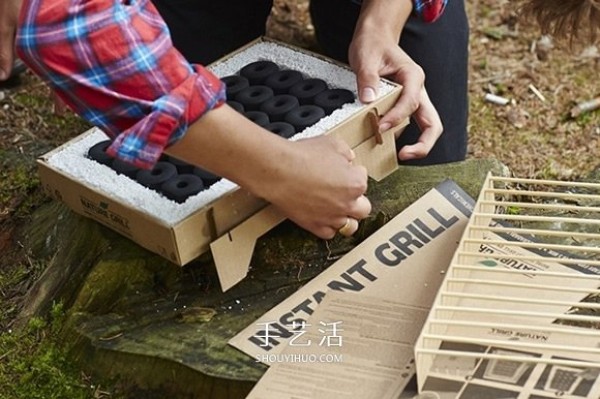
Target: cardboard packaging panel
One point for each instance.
(185, 240)
(405, 261)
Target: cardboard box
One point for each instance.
(234, 215)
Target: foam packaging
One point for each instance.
(182, 232)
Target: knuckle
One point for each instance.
(419, 73)
(339, 143)
(413, 103)
(421, 152)
(359, 185)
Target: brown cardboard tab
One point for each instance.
(374, 117)
(232, 252)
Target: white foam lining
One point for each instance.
(72, 159)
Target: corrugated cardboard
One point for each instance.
(404, 262)
(186, 240)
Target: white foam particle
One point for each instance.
(72, 160)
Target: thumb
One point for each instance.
(367, 81)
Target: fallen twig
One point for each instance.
(585, 106)
(537, 93)
(496, 99)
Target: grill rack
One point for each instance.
(522, 289)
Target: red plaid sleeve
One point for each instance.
(114, 64)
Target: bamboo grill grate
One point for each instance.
(520, 302)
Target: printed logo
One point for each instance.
(101, 213)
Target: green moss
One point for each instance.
(588, 119)
(12, 281)
(19, 185)
(513, 210)
(53, 129)
(31, 101)
(16, 178)
(33, 365)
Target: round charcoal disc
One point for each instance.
(282, 81)
(276, 107)
(182, 166)
(181, 187)
(304, 116)
(207, 177)
(97, 152)
(236, 105)
(155, 177)
(332, 99)
(234, 84)
(257, 72)
(124, 168)
(252, 97)
(306, 90)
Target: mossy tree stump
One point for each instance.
(133, 315)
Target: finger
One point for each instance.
(343, 148)
(351, 156)
(414, 151)
(361, 208)
(420, 149)
(325, 232)
(361, 171)
(412, 80)
(349, 228)
(356, 185)
(367, 82)
(431, 127)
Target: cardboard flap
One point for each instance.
(232, 252)
(372, 156)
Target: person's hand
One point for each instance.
(320, 189)
(9, 15)
(371, 59)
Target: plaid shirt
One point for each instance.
(113, 63)
(429, 10)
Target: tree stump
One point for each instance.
(135, 316)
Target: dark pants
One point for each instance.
(206, 30)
